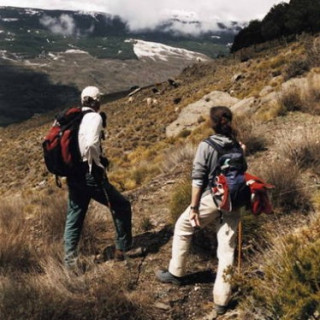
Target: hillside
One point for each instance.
(284, 22)
(277, 107)
(36, 46)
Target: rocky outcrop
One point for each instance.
(188, 118)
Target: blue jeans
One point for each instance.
(81, 191)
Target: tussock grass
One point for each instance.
(178, 156)
(57, 294)
(249, 134)
(289, 286)
(17, 254)
(302, 148)
(291, 100)
(290, 192)
(303, 98)
(180, 199)
(34, 283)
(296, 68)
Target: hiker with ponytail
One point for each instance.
(205, 209)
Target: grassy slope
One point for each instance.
(138, 149)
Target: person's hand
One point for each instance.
(105, 162)
(243, 147)
(194, 218)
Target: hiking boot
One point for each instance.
(215, 312)
(136, 252)
(167, 277)
(119, 255)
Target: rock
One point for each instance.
(177, 100)
(248, 105)
(269, 98)
(162, 306)
(237, 77)
(188, 118)
(265, 91)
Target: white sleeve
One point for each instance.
(92, 137)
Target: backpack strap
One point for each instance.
(215, 146)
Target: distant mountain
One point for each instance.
(50, 55)
(30, 32)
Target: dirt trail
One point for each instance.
(152, 202)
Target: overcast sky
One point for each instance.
(148, 13)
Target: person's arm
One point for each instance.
(199, 176)
(195, 203)
(93, 128)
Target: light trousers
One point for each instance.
(226, 235)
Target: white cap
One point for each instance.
(92, 92)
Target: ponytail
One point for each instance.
(221, 119)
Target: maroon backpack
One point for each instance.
(61, 147)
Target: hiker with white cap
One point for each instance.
(220, 153)
(91, 182)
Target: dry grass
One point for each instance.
(16, 253)
(291, 193)
(305, 98)
(180, 199)
(249, 134)
(302, 148)
(296, 68)
(178, 156)
(34, 283)
(289, 286)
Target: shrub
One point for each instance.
(304, 98)
(296, 68)
(249, 134)
(290, 193)
(289, 288)
(16, 252)
(145, 224)
(177, 156)
(59, 295)
(303, 149)
(184, 133)
(180, 199)
(291, 100)
(145, 172)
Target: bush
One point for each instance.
(249, 134)
(290, 193)
(59, 295)
(296, 68)
(303, 98)
(178, 156)
(303, 149)
(289, 288)
(145, 172)
(180, 199)
(184, 133)
(291, 100)
(16, 252)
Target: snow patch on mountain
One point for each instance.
(157, 51)
(76, 51)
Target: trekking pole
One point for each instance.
(239, 246)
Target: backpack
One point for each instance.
(229, 187)
(60, 146)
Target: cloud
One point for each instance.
(143, 14)
(64, 25)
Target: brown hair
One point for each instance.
(221, 119)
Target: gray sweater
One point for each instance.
(206, 160)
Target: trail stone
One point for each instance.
(245, 106)
(162, 306)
